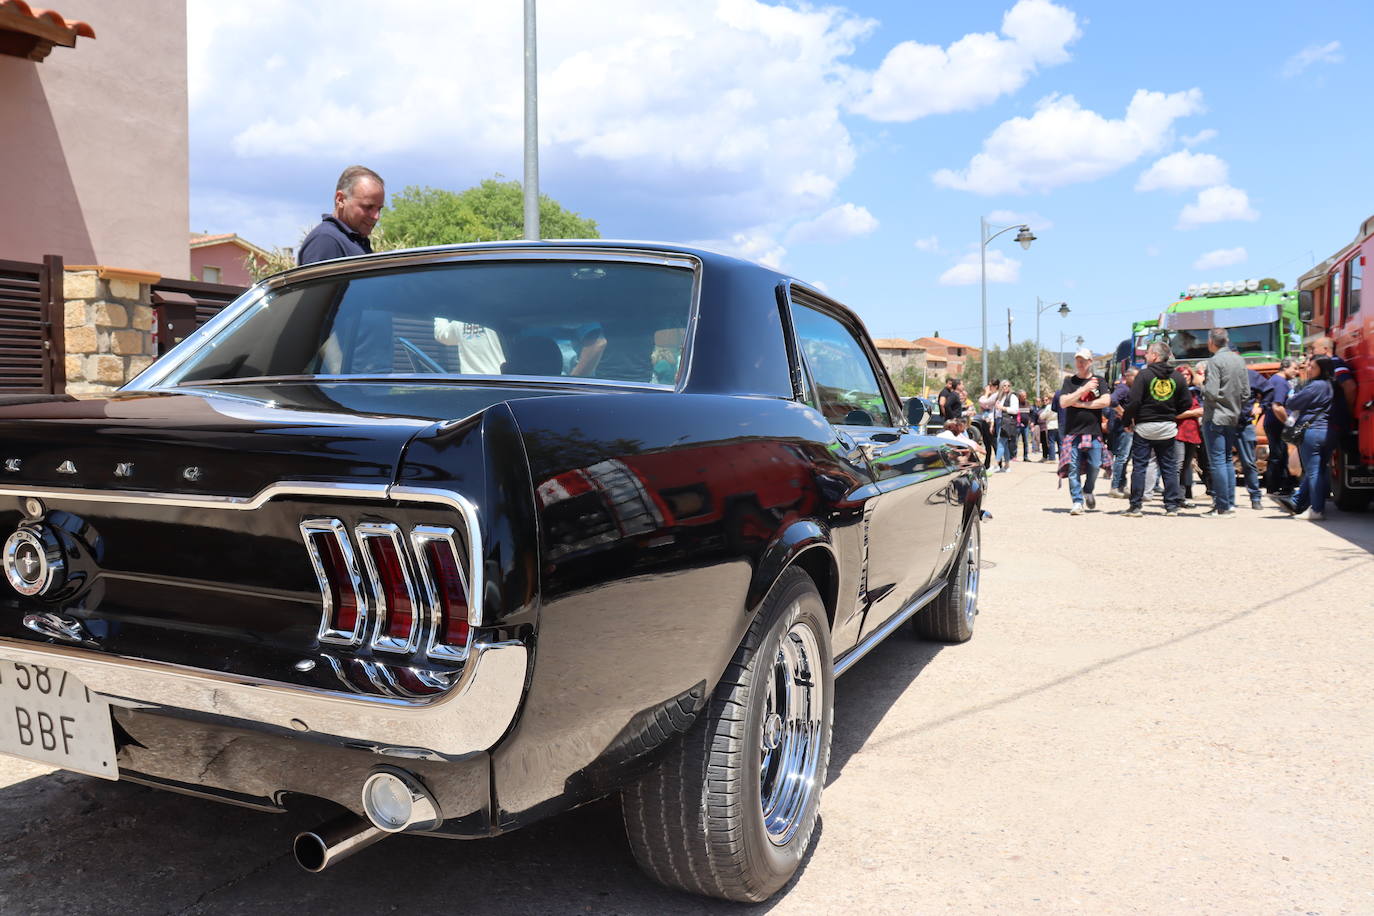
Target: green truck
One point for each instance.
(1260, 315)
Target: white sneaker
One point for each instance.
(1077, 509)
(1311, 515)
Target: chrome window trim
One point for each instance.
(370, 531)
(421, 536)
(327, 633)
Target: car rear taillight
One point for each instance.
(345, 603)
(447, 588)
(398, 619)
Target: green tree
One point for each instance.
(492, 211)
(1017, 364)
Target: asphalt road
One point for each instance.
(1154, 715)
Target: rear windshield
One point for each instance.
(619, 321)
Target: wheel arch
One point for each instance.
(805, 544)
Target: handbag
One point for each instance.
(1293, 434)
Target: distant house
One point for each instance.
(898, 354)
(945, 357)
(221, 258)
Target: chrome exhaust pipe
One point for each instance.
(333, 841)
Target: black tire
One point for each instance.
(949, 618)
(698, 822)
(1346, 499)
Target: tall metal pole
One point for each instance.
(983, 280)
(1037, 346)
(531, 127)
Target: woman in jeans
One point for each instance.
(1310, 407)
(1188, 445)
(1004, 406)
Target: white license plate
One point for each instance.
(47, 715)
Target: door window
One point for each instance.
(1354, 280)
(847, 388)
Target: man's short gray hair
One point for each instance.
(1285, 363)
(351, 176)
(1219, 337)
(1160, 349)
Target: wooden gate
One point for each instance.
(31, 323)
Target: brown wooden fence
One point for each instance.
(31, 323)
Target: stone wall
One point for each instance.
(108, 328)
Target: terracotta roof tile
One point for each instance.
(74, 26)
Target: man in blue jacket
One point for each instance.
(358, 199)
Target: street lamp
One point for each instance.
(1078, 341)
(1025, 237)
(1040, 309)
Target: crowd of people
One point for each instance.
(1164, 428)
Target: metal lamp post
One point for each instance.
(531, 125)
(1078, 341)
(1040, 308)
(1025, 237)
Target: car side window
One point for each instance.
(845, 382)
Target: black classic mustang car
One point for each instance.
(462, 537)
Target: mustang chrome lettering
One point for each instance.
(13, 465)
(66, 467)
(192, 473)
(124, 469)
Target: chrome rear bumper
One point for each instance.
(469, 717)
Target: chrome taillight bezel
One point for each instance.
(327, 632)
(421, 536)
(381, 639)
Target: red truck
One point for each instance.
(1329, 302)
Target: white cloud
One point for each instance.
(1329, 53)
(1030, 218)
(1222, 257)
(1199, 138)
(916, 80)
(1217, 205)
(755, 244)
(930, 243)
(1000, 269)
(846, 221)
(1182, 170)
(696, 108)
(1063, 143)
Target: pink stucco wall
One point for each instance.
(94, 145)
(228, 257)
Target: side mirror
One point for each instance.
(915, 412)
(1306, 310)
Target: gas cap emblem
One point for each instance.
(33, 562)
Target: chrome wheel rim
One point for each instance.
(972, 558)
(790, 734)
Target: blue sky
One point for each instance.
(1149, 146)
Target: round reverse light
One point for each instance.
(395, 800)
(31, 566)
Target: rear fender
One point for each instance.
(807, 542)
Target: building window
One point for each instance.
(210, 274)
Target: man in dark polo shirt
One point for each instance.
(358, 200)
